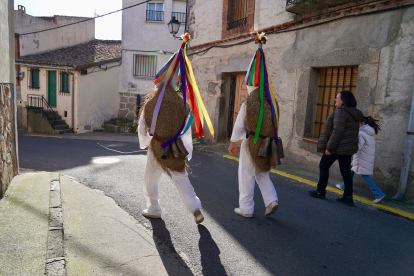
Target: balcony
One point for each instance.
(180, 16)
(305, 6)
(155, 16)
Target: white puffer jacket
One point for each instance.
(363, 160)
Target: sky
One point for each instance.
(108, 27)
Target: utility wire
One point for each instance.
(35, 32)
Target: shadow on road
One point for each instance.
(210, 254)
(169, 256)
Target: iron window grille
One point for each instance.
(232, 98)
(155, 12)
(33, 78)
(180, 16)
(63, 82)
(145, 66)
(237, 16)
(332, 81)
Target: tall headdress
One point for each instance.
(179, 73)
(258, 75)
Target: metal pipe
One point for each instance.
(405, 170)
(73, 102)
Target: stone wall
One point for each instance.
(127, 105)
(380, 44)
(8, 141)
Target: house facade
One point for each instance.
(146, 46)
(314, 51)
(79, 83)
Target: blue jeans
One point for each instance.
(374, 188)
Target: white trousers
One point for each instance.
(152, 174)
(247, 178)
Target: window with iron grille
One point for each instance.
(155, 12)
(237, 14)
(332, 81)
(33, 78)
(63, 82)
(145, 66)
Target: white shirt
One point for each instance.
(239, 129)
(145, 138)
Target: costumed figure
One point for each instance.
(257, 125)
(165, 128)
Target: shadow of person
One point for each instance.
(172, 261)
(210, 254)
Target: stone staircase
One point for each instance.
(57, 123)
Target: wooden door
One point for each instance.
(238, 93)
(51, 88)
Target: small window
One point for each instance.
(155, 12)
(64, 82)
(332, 81)
(145, 66)
(33, 78)
(237, 14)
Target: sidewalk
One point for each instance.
(53, 225)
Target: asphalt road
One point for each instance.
(306, 236)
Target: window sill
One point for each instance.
(144, 77)
(310, 140)
(150, 21)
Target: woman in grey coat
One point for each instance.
(363, 160)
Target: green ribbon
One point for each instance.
(261, 90)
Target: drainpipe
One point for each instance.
(73, 102)
(405, 170)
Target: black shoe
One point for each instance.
(346, 200)
(317, 194)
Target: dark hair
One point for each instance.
(372, 123)
(348, 99)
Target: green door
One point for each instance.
(51, 88)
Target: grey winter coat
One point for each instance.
(340, 133)
(363, 160)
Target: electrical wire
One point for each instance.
(58, 27)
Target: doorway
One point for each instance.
(51, 88)
(238, 93)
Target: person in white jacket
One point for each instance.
(153, 170)
(248, 173)
(363, 160)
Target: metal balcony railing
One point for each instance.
(237, 23)
(180, 16)
(155, 15)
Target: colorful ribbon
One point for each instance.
(178, 72)
(258, 75)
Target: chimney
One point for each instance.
(21, 8)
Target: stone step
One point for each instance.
(61, 127)
(63, 131)
(57, 122)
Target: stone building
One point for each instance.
(9, 164)
(314, 50)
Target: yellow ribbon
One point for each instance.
(197, 92)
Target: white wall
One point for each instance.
(54, 39)
(269, 13)
(208, 21)
(6, 43)
(139, 35)
(96, 97)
